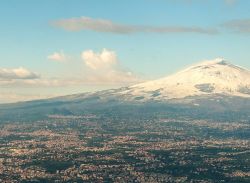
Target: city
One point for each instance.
(87, 149)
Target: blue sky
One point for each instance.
(57, 47)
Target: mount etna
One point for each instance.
(211, 89)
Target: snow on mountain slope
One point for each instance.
(210, 77)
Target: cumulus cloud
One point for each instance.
(104, 67)
(17, 73)
(105, 59)
(240, 26)
(102, 25)
(21, 77)
(58, 56)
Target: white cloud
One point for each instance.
(103, 60)
(21, 77)
(17, 73)
(102, 25)
(58, 57)
(104, 67)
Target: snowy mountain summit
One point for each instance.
(207, 78)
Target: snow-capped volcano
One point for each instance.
(210, 77)
(212, 89)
